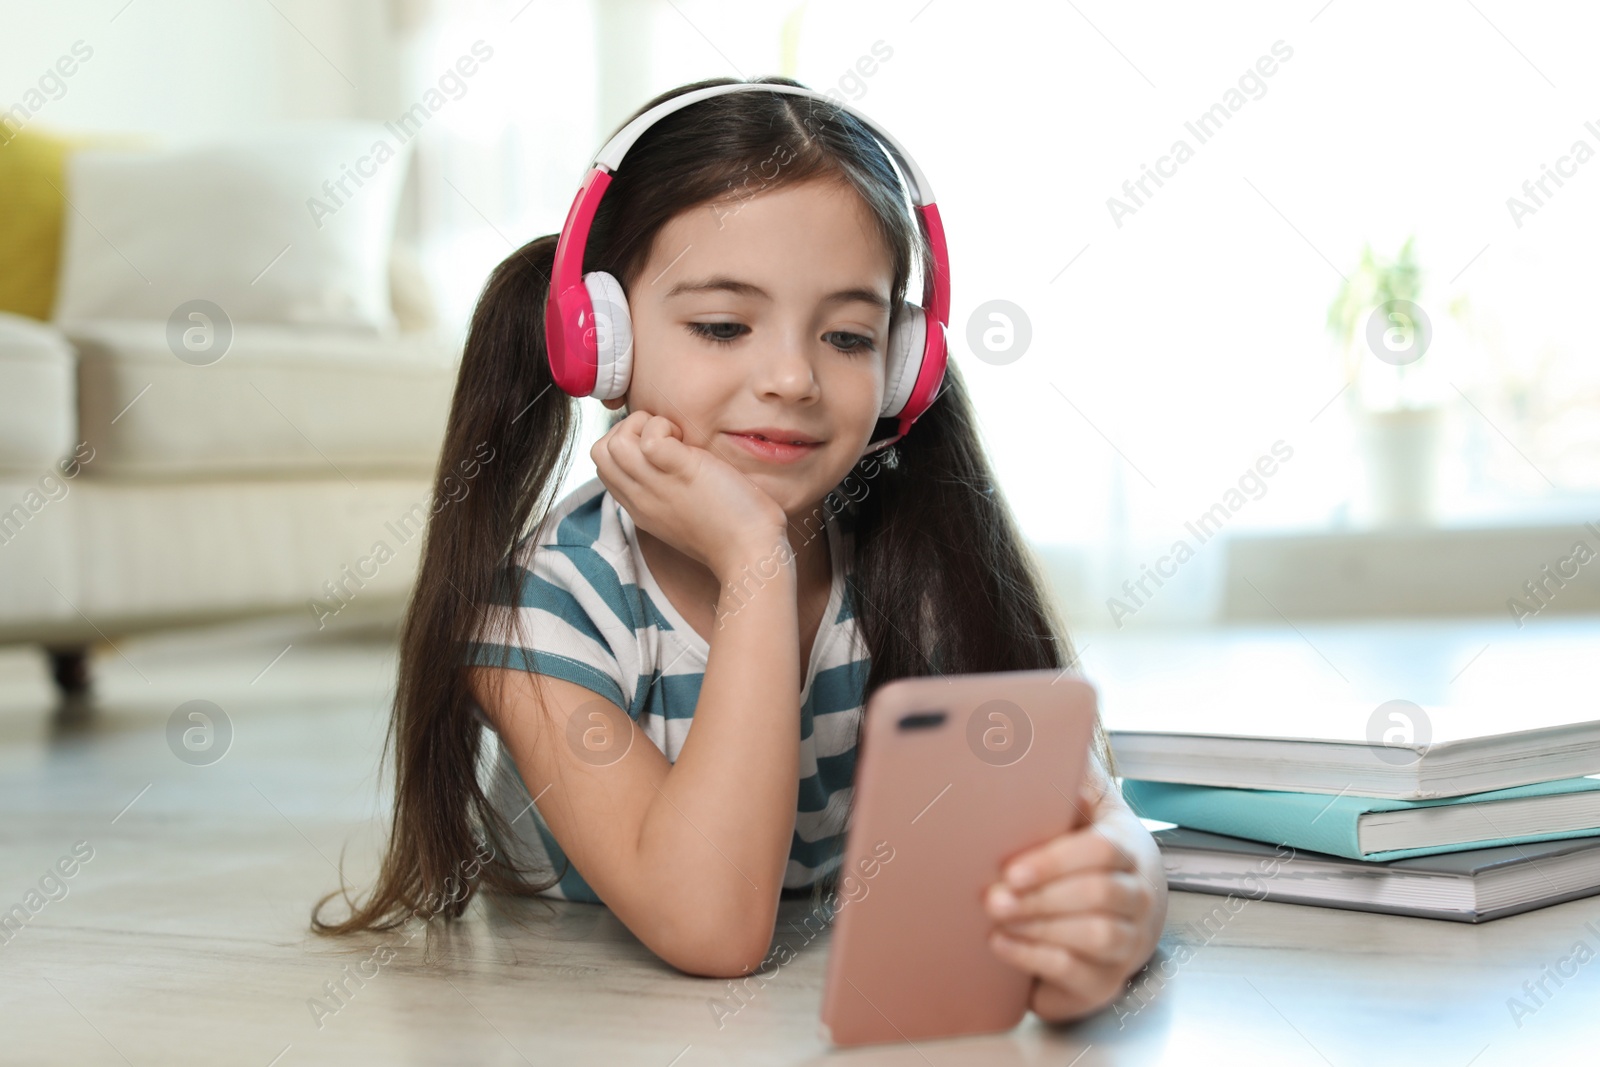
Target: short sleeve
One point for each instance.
(567, 617)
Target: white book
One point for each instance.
(1399, 751)
(1472, 886)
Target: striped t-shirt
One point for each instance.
(592, 613)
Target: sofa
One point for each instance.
(147, 483)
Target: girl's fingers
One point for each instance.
(1075, 976)
(1055, 1004)
(661, 443)
(1085, 849)
(668, 453)
(617, 478)
(1096, 937)
(628, 429)
(626, 452)
(660, 424)
(1118, 893)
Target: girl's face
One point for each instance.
(767, 312)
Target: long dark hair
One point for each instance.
(942, 579)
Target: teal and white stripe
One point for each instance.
(593, 614)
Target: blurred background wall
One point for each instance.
(1147, 328)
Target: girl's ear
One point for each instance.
(615, 402)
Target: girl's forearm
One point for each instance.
(719, 829)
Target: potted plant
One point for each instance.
(1386, 334)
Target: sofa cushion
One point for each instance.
(32, 213)
(274, 225)
(37, 422)
(279, 401)
(105, 558)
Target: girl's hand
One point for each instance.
(689, 497)
(1085, 908)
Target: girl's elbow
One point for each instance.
(721, 949)
(719, 956)
(710, 931)
(704, 964)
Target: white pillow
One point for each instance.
(259, 224)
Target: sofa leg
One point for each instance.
(70, 669)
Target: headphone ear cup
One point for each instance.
(613, 335)
(907, 344)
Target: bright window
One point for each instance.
(1177, 333)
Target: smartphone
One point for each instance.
(958, 774)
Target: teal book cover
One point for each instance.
(1318, 822)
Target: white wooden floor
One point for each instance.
(184, 938)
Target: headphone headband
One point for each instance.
(610, 157)
(570, 319)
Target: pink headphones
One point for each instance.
(590, 336)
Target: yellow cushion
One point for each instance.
(32, 210)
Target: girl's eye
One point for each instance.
(861, 344)
(712, 331)
(707, 330)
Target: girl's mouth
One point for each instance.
(772, 451)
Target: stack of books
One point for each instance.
(1470, 824)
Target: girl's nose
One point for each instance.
(785, 370)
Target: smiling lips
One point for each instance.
(775, 445)
(779, 434)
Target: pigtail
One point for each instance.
(507, 443)
(938, 550)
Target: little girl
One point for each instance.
(671, 661)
